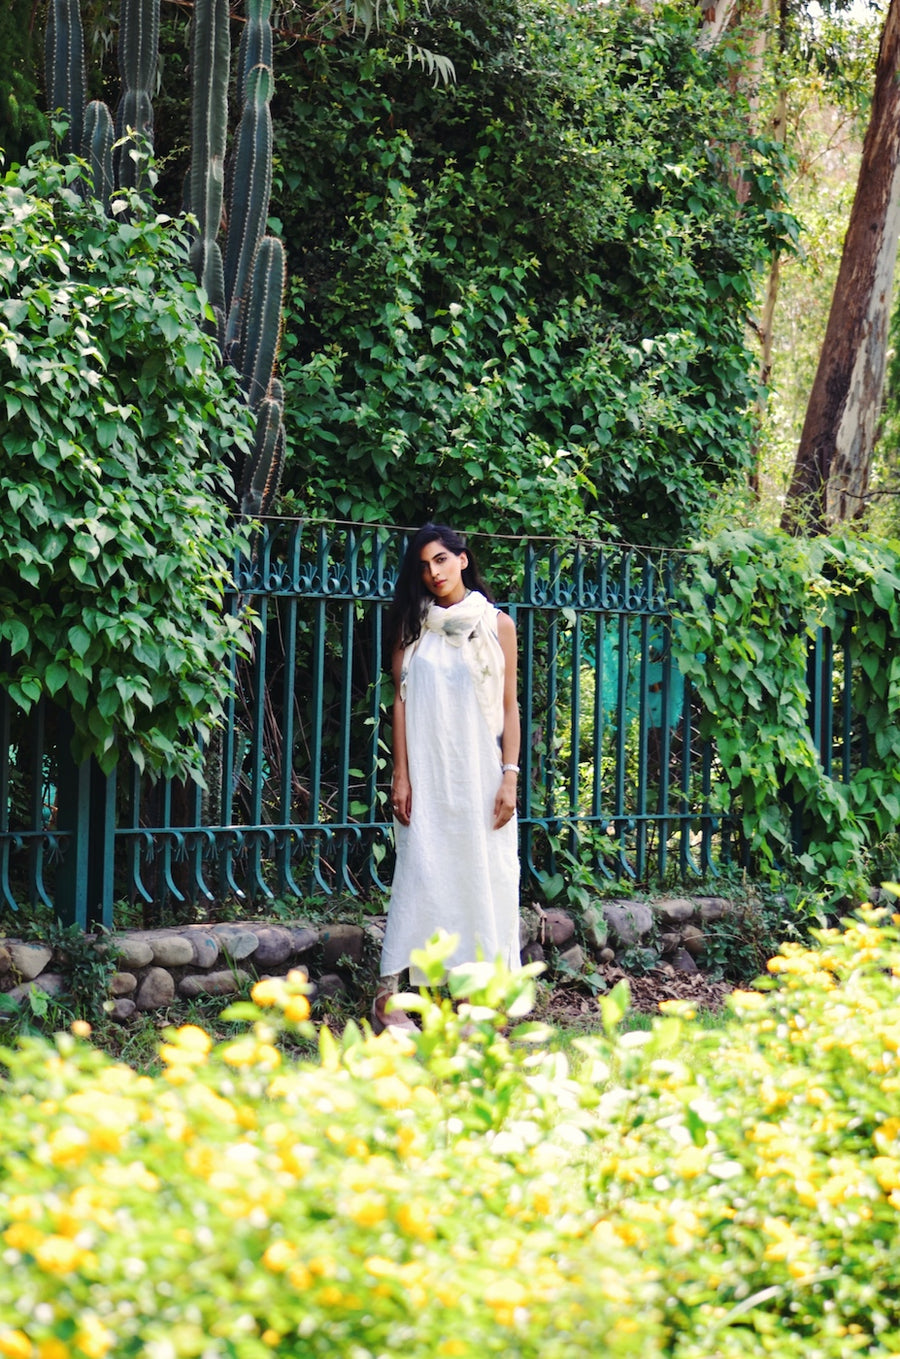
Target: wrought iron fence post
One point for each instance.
(86, 819)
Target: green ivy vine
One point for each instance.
(118, 429)
(750, 606)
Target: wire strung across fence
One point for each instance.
(297, 779)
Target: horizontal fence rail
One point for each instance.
(615, 780)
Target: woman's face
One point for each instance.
(442, 572)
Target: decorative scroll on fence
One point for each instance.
(613, 769)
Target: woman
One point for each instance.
(456, 752)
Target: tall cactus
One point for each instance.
(64, 61)
(256, 42)
(210, 61)
(90, 129)
(246, 287)
(97, 149)
(138, 55)
(250, 182)
(253, 270)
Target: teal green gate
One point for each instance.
(295, 803)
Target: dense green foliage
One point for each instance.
(750, 608)
(521, 302)
(22, 118)
(114, 537)
(685, 1192)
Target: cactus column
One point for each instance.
(246, 290)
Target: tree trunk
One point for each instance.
(766, 327)
(831, 471)
(716, 18)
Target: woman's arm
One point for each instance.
(505, 801)
(401, 791)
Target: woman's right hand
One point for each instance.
(401, 799)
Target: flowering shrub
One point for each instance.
(684, 1192)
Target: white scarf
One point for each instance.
(468, 625)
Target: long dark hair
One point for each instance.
(411, 597)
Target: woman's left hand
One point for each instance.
(505, 801)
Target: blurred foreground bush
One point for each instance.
(685, 1192)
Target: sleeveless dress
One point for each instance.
(453, 870)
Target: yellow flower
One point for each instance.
(176, 1074)
(886, 1133)
(193, 1037)
(452, 1347)
(505, 1293)
(381, 1267)
(270, 1337)
(391, 1092)
(53, 1349)
(414, 1219)
(269, 991)
(241, 1053)
(176, 1056)
(683, 1008)
(267, 1054)
(135, 1175)
(297, 1009)
(279, 1255)
(331, 1296)
(299, 1277)
(190, 1046)
(886, 1171)
(322, 1266)
(691, 1161)
(15, 1345)
(67, 1146)
(684, 1230)
(367, 1210)
(785, 1244)
(22, 1236)
(750, 1000)
(92, 1338)
(22, 1207)
(58, 1255)
(81, 1028)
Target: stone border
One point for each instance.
(156, 968)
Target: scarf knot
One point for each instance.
(468, 625)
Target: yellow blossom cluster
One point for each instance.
(685, 1192)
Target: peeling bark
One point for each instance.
(717, 15)
(831, 471)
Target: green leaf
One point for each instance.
(55, 677)
(79, 639)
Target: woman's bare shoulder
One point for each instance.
(505, 626)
